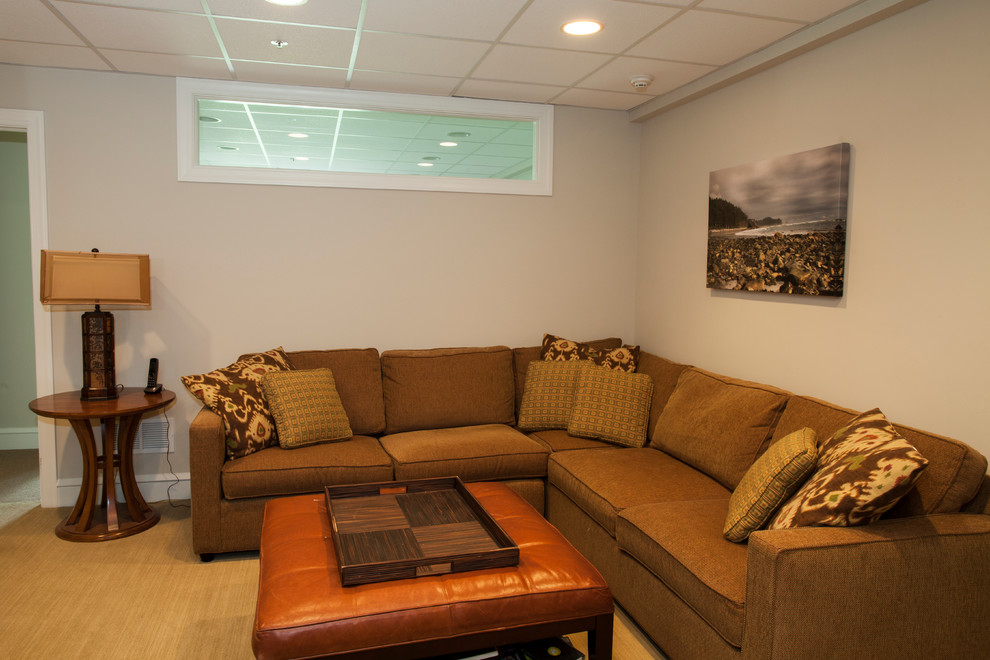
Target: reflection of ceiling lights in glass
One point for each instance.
(209, 120)
(581, 28)
(288, 3)
(425, 164)
(448, 144)
(430, 158)
(224, 147)
(298, 135)
(297, 158)
(458, 134)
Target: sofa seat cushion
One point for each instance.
(953, 476)
(277, 471)
(603, 482)
(473, 453)
(561, 440)
(682, 544)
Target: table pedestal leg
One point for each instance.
(113, 523)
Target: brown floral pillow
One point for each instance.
(559, 349)
(234, 393)
(862, 471)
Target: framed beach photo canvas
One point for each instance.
(779, 225)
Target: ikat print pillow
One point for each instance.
(862, 471)
(306, 407)
(234, 393)
(558, 349)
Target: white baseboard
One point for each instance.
(154, 488)
(26, 438)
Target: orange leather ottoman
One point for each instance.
(304, 612)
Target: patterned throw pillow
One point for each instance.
(234, 393)
(548, 395)
(611, 405)
(769, 482)
(306, 407)
(863, 470)
(558, 349)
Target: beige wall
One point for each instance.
(238, 268)
(911, 333)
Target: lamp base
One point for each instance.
(99, 372)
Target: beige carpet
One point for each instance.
(144, 596)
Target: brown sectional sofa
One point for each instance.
(914, 584)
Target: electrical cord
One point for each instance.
(171, 470)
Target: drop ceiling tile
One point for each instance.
(806, 10)
(463, 19)
(318, 46)
(32, 21)
(55, 55)
(587, 98)
(408, 83)
(616, 75)
(161, 5)
(142, 30)
(167, 65)
(537, 65)
(624, 23)
(285, 74)
(413, 54)
(507, 91)
(712, 38)
(339, 13)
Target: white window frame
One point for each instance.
(189, 91)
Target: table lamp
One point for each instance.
(96, 278)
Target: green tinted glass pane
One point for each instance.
(323, 139)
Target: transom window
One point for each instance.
(246, 133)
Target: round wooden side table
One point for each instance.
(120, 418)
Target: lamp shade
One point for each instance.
(95, 278)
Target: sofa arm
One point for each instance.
(206, 457)
(905, 588)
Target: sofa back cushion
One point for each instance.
(447, 387)
(521, 357)
(955, 470)
(717, 424)
(357, 374)
(664, 374)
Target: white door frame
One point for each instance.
(33, 122)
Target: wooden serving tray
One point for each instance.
(405, 529)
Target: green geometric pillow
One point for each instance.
(306, 407)
(769, 482)
(862, 471)
(548, 395)
(611, 405)
(234, 394)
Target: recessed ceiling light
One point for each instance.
(425, 164)
(298, 158)
(448, 143)
(227, 148)
(279, 43)
(298, 135)
(581, 28)
(288, 3)
(458, 134)
(209, 120)
(430, 158)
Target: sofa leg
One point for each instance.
(206, 557)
